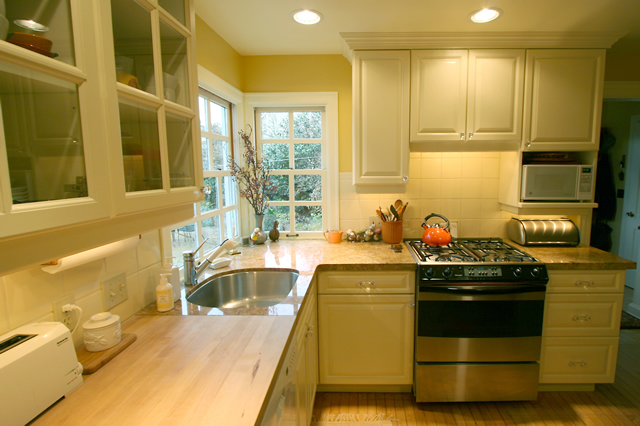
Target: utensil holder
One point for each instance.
(392, 232)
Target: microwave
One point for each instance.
(557, 182)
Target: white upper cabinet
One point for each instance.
(52, 142)
(439, 95)
(87, 131)
(381, 117)
(466, 100)
(563, 99)
(153, 82)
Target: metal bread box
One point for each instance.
(543, 232)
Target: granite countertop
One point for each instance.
(574, 258)
(304, 256)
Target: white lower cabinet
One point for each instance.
(581, 327)
(307, 362)
(366, 338)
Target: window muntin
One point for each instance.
(293, 144)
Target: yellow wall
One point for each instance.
(623, 62)
(306, 73)
(217, 55)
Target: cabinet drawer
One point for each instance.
(578, 359)
(582, 315)
(586, 282)
(370, 282)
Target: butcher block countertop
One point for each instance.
(196, 366)
(204, 366)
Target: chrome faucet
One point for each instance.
(191, 271)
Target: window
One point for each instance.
(216, 218)
(293, 144)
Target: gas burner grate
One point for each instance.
(470, 250)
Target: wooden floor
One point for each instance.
(609, 404)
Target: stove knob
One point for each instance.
(429, 272)
(535, 272)
(517, 272)
(447, 272)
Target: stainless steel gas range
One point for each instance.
(480, 307)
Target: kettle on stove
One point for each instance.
(436, 235)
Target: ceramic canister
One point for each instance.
(102, 332)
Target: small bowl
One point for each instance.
(40, 42)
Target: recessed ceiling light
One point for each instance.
(306, 16)
(485, 15)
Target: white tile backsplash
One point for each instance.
(26, 296)
(462, 186)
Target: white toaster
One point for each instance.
(38, 366)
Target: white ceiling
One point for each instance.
(262, 27)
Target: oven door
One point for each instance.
(484, 323)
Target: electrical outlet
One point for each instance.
(114, 290)
(64, 317)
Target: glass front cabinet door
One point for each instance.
(154, 85)
(98, 103)
(52, 139)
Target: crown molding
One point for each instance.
(476, 40)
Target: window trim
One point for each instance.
(328, 100)
(214, 84)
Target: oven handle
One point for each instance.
(484, 289)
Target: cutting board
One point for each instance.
(93, 361)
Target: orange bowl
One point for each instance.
(32, 40)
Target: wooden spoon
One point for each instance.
(397, 204)
(402, 210)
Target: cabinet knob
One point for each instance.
(405, 178)
(471, 135)
(462, 136)
(528, 144)
(412, 304)
(582, 317)
(580, 363)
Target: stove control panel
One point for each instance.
(483, 272)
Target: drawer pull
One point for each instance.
(577, 364)
(412, 304)
(369, 283)
(585, 284)
(582, 317)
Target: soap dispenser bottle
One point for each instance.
(174, 271)
(164, 294)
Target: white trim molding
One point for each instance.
(329, 100)
(476, 40)
(622, 90)
(214, 84)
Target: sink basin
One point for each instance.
(247, 289)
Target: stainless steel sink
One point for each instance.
(247, 289)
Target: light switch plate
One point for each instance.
(114, 290)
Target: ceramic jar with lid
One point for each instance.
(102, 332)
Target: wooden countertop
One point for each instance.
(189, 370)
(210, 366)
